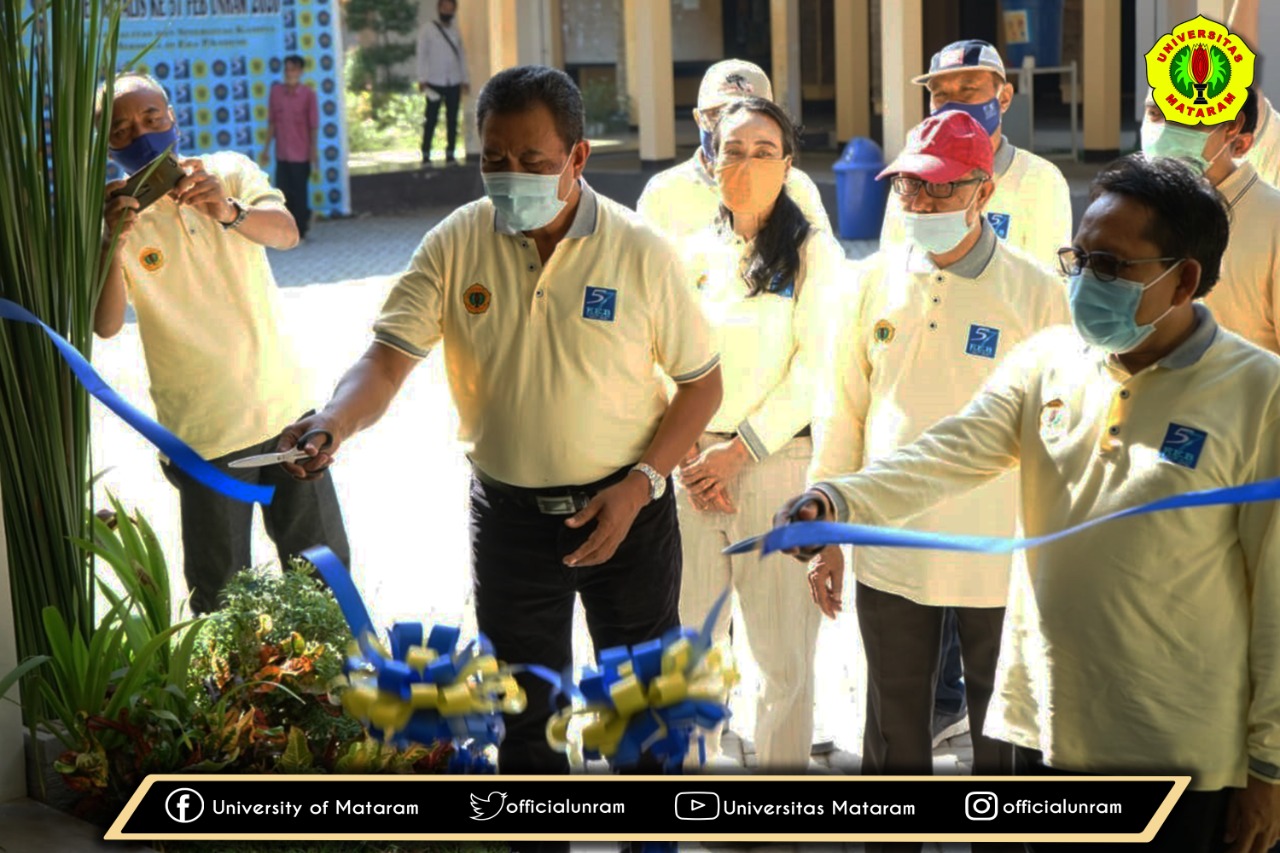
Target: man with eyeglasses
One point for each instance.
(1030, 207)
(683, 200)
(931, 322)
(1149, 644)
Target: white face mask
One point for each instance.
(937, 233)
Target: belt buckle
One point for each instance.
(556, 504)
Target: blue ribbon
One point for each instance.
(814, 534)
(665, 730)
(169, 444)
(470, 732)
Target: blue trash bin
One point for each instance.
(860, 198)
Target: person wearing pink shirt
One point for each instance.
(293, 122)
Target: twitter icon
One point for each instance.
(488, 807)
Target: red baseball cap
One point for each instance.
(944, 147)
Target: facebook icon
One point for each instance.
(184, 805)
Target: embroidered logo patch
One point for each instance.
(883, 332)
(151, 258)
(600, 303)
(1183, 445)
(999, 224)
(983, 341)
(476, 299)
(1053, 419)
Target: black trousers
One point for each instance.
(524, 597)
(1195, 825)
(293, 180)
(217, 531)
(902, 643)
(451, 97)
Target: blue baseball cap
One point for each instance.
(967, 55)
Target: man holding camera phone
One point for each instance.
(190, 256)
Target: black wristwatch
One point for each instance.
(241, 213)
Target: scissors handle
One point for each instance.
(328, 439)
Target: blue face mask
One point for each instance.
(135, 156)
(704, 139)
(1105, 312)
(987, 113)
(526, 202)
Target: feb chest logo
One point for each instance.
(600, 303)
(1183, 445)
(999, 224)
(983, 341)
(1200, 73)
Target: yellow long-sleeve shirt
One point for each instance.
(1148, 644)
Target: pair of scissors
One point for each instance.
(756, 543)
(293, 454)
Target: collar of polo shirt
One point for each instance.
(584, 221)
(1185, 354)
(1236, 185)
(1003, 157)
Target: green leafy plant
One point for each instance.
(52, 59)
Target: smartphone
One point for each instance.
(149, 184)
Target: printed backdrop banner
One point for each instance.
(218, 60)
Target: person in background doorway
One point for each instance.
(442, 75)
(293, 123)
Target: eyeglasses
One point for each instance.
(909, 187)
(1105, 266)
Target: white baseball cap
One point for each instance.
(732, 80)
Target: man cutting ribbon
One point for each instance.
(1151, 643)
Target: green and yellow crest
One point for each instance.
(1200, 73)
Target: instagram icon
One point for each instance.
(981, 805)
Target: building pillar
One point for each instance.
(1214, 10)
(853, 69)
(540, 38)
(784, 38)
(652, 82)
(631, 53)
(902, 57)
(1101, 95)
(488, 30)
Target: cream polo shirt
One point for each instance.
(771, 345)
(1264, 154)
(683, 200)
(1030, 208)
(1148, 644)
(553, 369)
(919, 344)
(222, 376)
(1246, 298)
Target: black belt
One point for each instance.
(552, 500)
(805, 432)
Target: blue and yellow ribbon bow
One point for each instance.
(651, 698)
(424, 689)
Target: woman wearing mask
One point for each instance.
(764, 276)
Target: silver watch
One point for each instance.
(241, 213)
(657, 482)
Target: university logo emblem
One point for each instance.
(883, 332)
(476, 299)
(1200, 73)
(1053, 419)
(151, 258)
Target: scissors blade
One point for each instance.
(262, 460)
